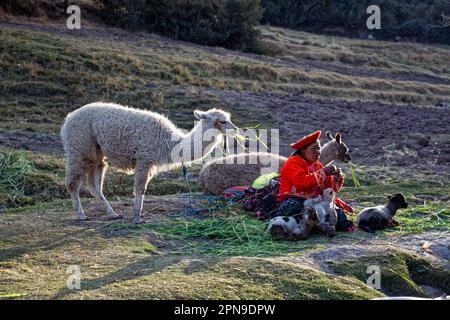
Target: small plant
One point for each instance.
(354, 178)
(14, 168)
(256, 86)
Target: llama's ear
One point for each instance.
(329, 136)
(200, 115)
(338, 138)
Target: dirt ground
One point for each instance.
(368, 128)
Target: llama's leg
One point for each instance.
(90, 180)
(75, 171)
(326, 228)
(393, 222)
(98, 178)
(143, 174)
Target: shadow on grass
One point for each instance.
(142, 267)
(50, 243)
(47, 244)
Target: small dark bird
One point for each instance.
(380, 217)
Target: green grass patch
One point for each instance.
(401, 273)
(226, 236)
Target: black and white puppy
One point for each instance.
(380, 217)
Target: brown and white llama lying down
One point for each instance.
(318, 213)
(240, 169)
(377, 218)
(237, 170)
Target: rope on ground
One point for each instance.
(195, 208)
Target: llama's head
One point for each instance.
(341, 151)
(215, 119)
(328, 195)
(398, 201)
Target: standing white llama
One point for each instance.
(129, 139)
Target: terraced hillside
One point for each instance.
(390, 101)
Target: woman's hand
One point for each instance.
(338, 174)
(333, 171)
(330, 170)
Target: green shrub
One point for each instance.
(227, 23)
(412, 19)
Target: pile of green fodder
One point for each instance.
(234, 235)
(14, 168)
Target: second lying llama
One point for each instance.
(238, 170)
(377, 218)
(130, 139)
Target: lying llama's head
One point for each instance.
(341, 151)
(215, 119)
(398, 201)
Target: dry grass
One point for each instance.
(375, 55)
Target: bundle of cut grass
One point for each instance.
(355, 180)
(225, 236)
(14, 167)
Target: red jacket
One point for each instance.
(298, 178)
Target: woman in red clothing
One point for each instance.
(303, 177)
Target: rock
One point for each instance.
(423, 141)
(370, 37)
(443, 159)
(432, 292)
(441, 251)
(420, 139)
(443, 104)
(427, 197)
